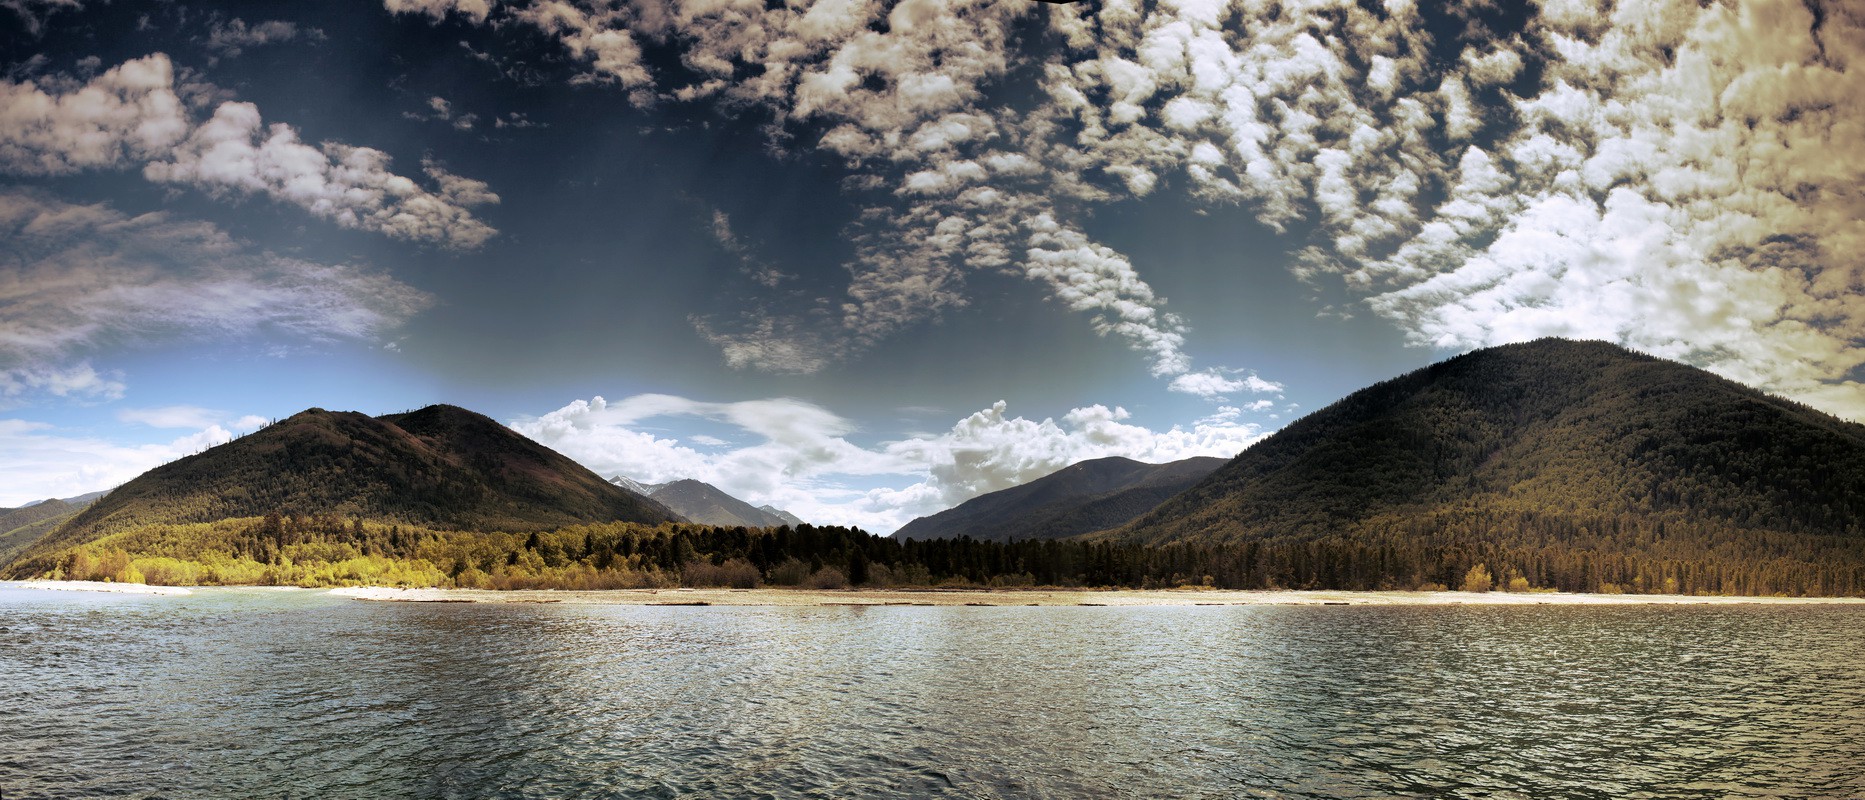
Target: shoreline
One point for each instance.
(99, 586)
(1043, 597)
(1009, 597)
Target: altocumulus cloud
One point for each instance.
(899, 93)
(1678, 177)
(802, 459)
(133, 115)
(82, 278)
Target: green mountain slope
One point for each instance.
(1576, 446)
(20, 528)
(1088, 496)
(441, 467)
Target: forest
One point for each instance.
(1609, 555)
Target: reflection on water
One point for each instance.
(248, 693)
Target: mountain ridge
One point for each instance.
(440, 466)
(22, 527)
(703, 503)
(1083, 497)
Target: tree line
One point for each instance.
(1594, 555)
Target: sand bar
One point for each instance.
(1041, 597)
(98, 586)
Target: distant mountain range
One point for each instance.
(1082, 498)
(1556, 463)
(21, 527)
(442, 467)
(83, 499)
(706, 504)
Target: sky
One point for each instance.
(866, 260)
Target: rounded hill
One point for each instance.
(441, 467)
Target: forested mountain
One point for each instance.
(442, 467)
(1552, 451)
(706, 504)
(21, 527)
(1083, 497)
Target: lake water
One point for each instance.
(275, 694)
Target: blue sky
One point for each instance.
(865, 260)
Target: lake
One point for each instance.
(246, 693)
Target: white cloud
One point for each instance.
(1217, 383)
(133, 115)
(596, 33)
(79, 381)
(772, 343)
(188, 417)
(43, 462)
(804, 462)
(437, 10)
(80, 278)
(439, 108)
(988, 450)
(229, 38)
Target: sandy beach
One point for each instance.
(1040, 597)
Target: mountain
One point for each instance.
(85, 499)
(643, 489)
(1088, 496)
(787, 517)
(441, 467)
(21, 527)
(80, 500)
(1560, 450)
(707, 505)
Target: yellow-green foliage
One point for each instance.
(324, 552)
(1478, 579)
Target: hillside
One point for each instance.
(706, 504)
(21, 527)
(1088, 496)
(441, 467)
(1569, 449)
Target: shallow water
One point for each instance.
(252, 693)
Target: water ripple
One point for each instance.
(295, 694)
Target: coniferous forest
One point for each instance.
(330, 551)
